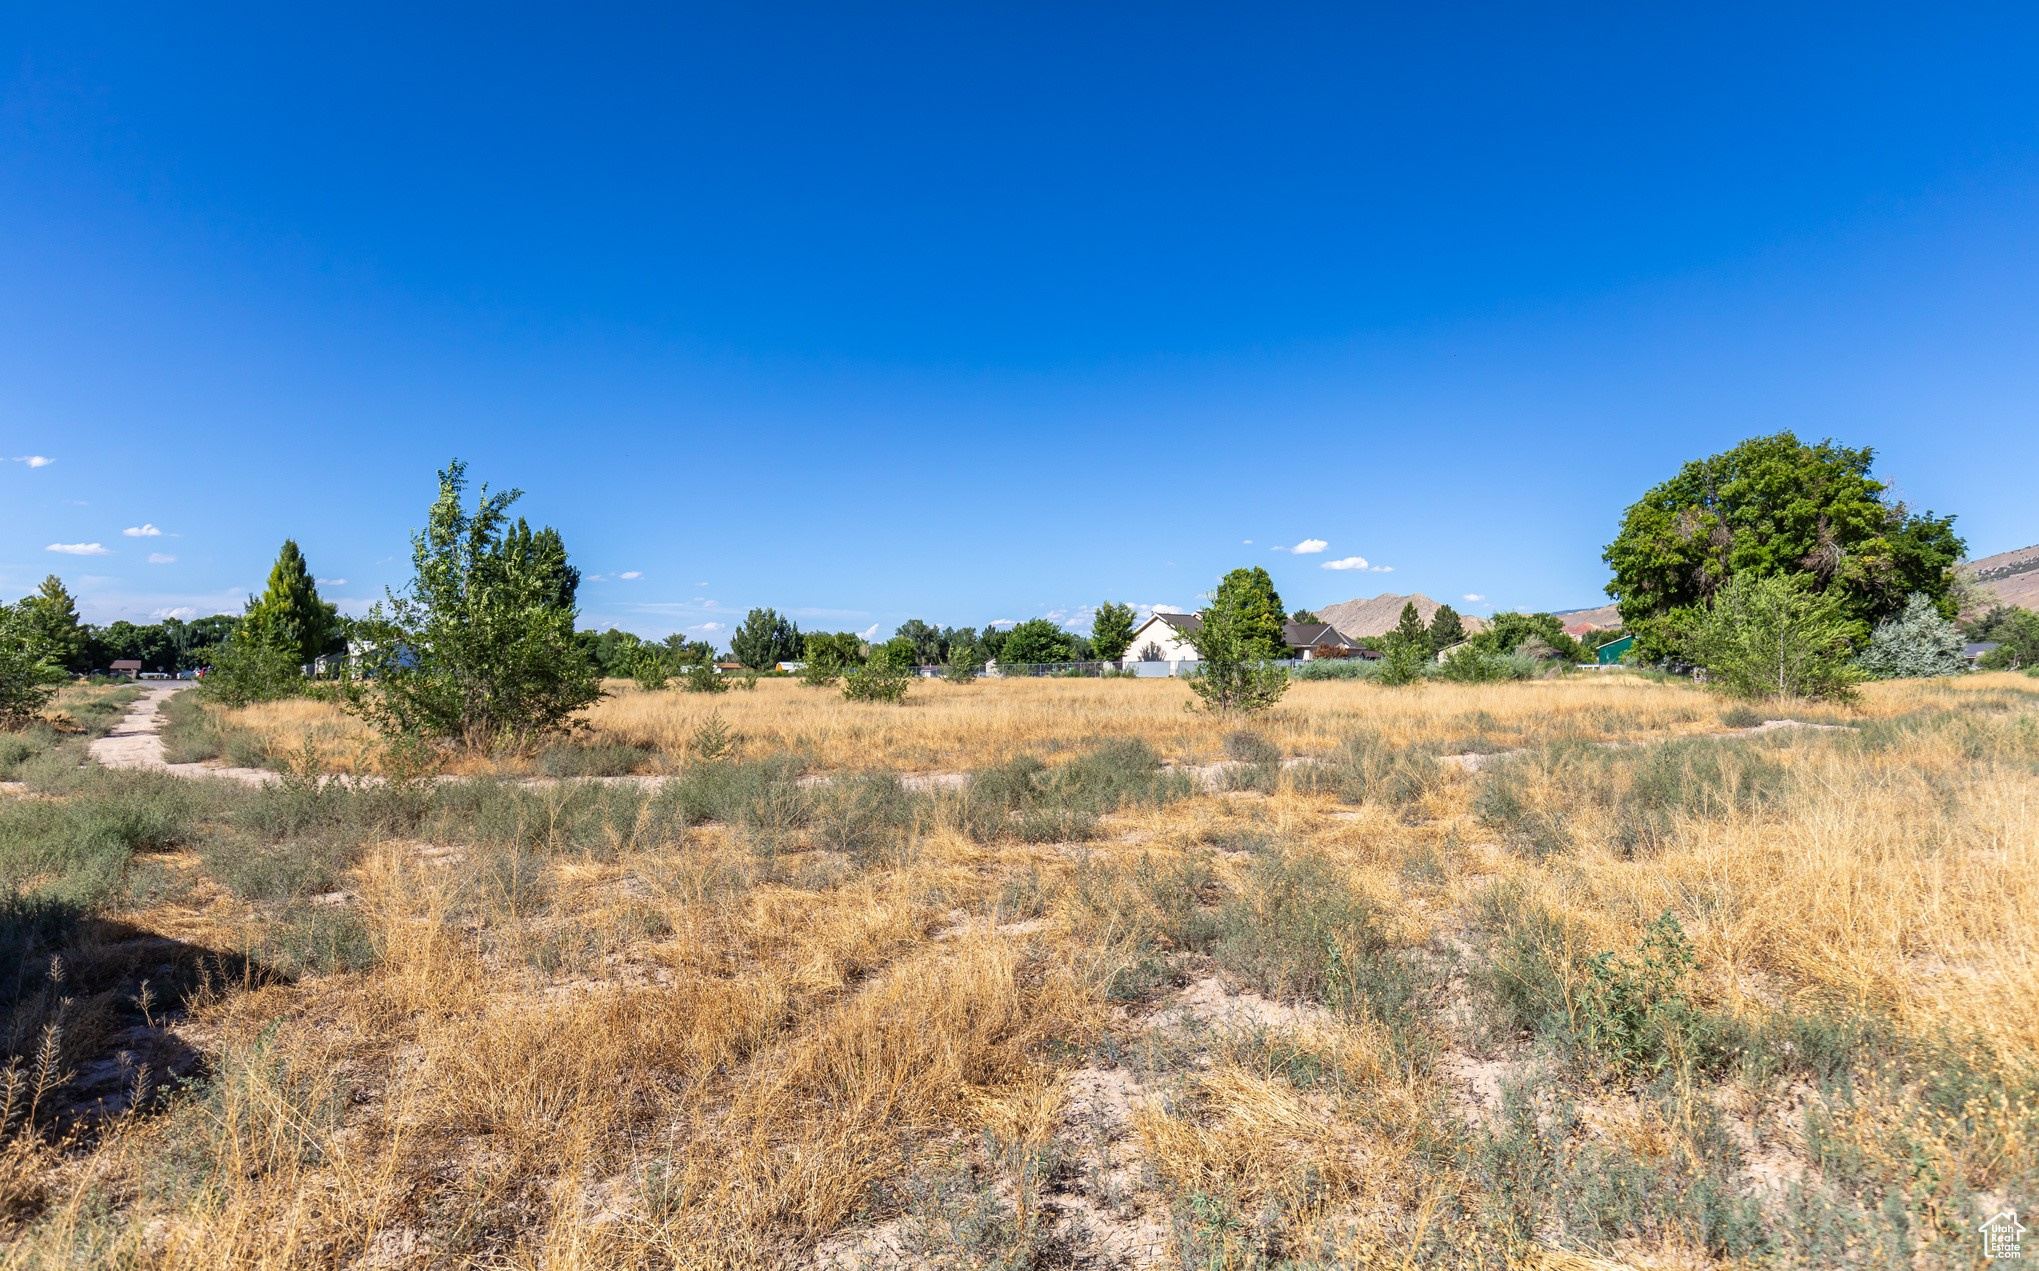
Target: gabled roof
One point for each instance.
(1180, 621)
(1311, 635)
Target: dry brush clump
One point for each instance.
(1697, 997)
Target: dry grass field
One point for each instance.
(1638, 985)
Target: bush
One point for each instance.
(2016, 634)
(650, 669)
(1774, 636)
(703, 678)
(1917, 644)
(1365, 769)
(880, 681)
(243, 671)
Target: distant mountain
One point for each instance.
(1379, 614)
(1601, 616)
(2011, 577)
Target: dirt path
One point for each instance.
(137, 742)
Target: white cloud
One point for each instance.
(1358, 562)
(183, 613)
(1474, 596)
(33, 461)
(700, 584)
(1309, 547)
(161, 558)
(1247, 541)
(706, 626)
(144, 530)
(631, 573)
(870, 632)
(330, 582)
(77, 549)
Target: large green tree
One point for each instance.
(1257, 616)
(1036, 640)
(29, 674)
(764, 639)
(1111, 631)
(477, 649)
(289, 616)
(1233, 674)
(49, 616)
(929, 647)
(1773, 507)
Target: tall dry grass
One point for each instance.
(722, 1048)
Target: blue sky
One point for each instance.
(981, 312)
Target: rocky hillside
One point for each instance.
(1377, 615)
(2012, 577)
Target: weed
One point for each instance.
(1366, 769)
(599, 759)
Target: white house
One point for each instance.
(1159, 642)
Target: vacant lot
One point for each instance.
(1510, 974)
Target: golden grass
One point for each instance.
(715, 1053)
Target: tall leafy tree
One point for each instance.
(543, 554)
(1778, 507)
(1509, 632)
(1034, 641)
(1446, 629)
(477, 649)
(1111, 631)
(49, 617)
(1255, 610)
(1234, 675)
(928, 644)
(29, 673)
(289, 616)
(764, 639)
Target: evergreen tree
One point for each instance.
(49, 617)
(1111, 631)
(1409, 630)
(289, 617)
(1249, 598)
(1446, 629)
(764, 639)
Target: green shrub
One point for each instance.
(703, 678)
(1297, 930)
(878, 681)
(243, 671)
